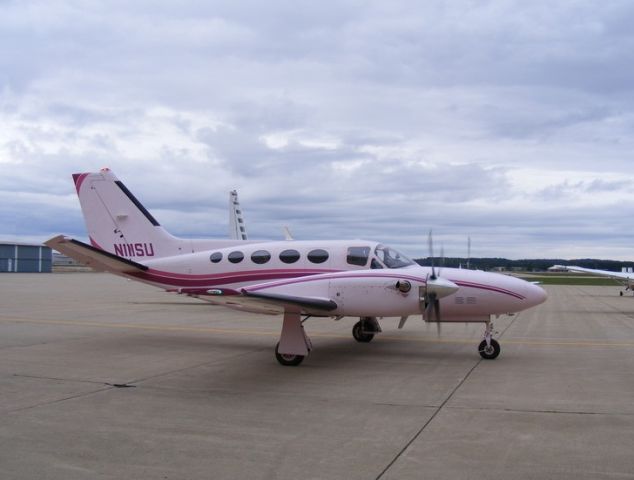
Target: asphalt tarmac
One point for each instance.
(105, 378)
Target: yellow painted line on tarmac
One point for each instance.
(238, 331)
(164, 328)
(560, 343)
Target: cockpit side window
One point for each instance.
(391, 258)
(375, 265)
(358, 256)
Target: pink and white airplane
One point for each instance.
(336, 279)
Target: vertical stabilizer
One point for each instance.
(118, 223)
(237, 228)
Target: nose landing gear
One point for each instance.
(489, 348)
(365, 329)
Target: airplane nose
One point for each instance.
(536, 295)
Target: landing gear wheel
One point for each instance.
(489, 352)
(621, 294)
(288, 360)
(359, 335)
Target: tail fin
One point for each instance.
(237, 229)
(118, 223)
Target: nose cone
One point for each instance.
(535, 294)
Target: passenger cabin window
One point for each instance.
(358, 256)
(215, 257)
(289, 256)
(235, 257)
(260, 257)
(317, 256)
(391, 258)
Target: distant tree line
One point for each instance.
(536, 265)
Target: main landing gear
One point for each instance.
(287, 359)
(365, 329)
(294, 344)
(489, 348)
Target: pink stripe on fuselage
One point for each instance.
(220, 280)
(215, 276)
(461, 283)
(284, 277)
(95, 244)
(330, 277)
(386, 275)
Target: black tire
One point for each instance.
(491, 352)
(287, 360)
(621, 294)
(359, 335)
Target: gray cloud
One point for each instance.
(511, 122)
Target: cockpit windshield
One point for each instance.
(391, 258)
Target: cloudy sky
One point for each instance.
(510, 122)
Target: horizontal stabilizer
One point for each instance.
(93, 257)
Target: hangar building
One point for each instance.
(25, 258)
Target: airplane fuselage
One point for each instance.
(295, 278)
(340, 270)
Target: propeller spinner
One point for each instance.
(434, 289)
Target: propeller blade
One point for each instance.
(430, 307)
(437, 310)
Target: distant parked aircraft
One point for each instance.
(627, 278)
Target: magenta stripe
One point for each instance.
(491, 288)
(330, 277)
(385, 275)
(227, 280)
(215, 276)
(79, 179)
(95, 244)
(285, 277)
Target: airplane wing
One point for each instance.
(94, 257)
(273, 304)
(602, 273)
